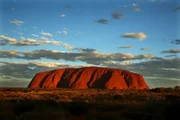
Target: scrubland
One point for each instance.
(101, 104)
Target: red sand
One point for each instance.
(89, 77)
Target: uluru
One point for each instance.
(89, 77)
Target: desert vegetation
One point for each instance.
(98, 104)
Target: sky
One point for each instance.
(141, 36)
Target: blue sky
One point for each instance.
(138, 35)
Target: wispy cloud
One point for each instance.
(157, 69)
(62, 15)
(89, 56)
(44, 39)
(10, 81)
(27, 69)
(168, 56)
(9, 54)
(122, 64)
(116, 15)
(59, 32)
(20, 33)
(64, 31)
(86, 49)
(137, 9)
(68, 6)
(13, 9)
(26, 41)
(46, 34)
(17, 22)
(68, 46)
(171, 51)
(144, 49)
(102, 21)
(177, 42)
(8, 39)
(2, 43)
(164, 0)
(152, 0)
(166, 68)
(139, 36)
(134, 4)
(34, 35)
(79, 33)
(126, 47)
(177, 8)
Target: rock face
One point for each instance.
(89, 77)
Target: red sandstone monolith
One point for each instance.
(89, 77)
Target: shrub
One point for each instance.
(155, 97)
(158, 89)
(22, 107)
(118, 97)
(76, 108)
(177, 87)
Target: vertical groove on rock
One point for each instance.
(90, 82)
(44, 79)
(64, 82)
(51, 83)
(100, 83)
(78, 72)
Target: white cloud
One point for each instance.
(52, 42)
(62, 15)
(64, 31)
(27, 41)
(126, 47)
(20, 33)
(127, 56)
(9, 54)
(46, 34)
(134, 4)
(171, 51)
(26, 70)
(59, 32)
(17, 22)
(139, 35)
(68, 46)
(8, 39)
(122, 63)
(90, 56)
(35, 35)
(44, 39)
(47, 64)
